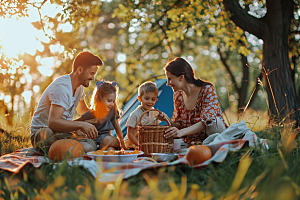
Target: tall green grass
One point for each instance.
(11, 140)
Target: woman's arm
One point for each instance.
(131, 137)
(174, 132)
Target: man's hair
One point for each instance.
(85, 60)
(148, 86)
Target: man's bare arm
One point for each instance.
(57, 124)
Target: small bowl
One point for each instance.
(163, 157)
(115, 158)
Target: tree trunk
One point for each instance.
(243, 89)
(293, 73)
(5, 110)
(274, 30)
(281, 91)
(10, 116)
(293, 70)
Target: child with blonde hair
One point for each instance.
(104, 114)
(147, 95)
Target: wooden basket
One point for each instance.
(151, 137)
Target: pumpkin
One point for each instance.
(65, 149)
(198, 154)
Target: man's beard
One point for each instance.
(85, 82)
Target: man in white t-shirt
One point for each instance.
(53, 117)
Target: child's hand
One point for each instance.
(80, 133)
(122, 144)
(123, 147)
(162, 117)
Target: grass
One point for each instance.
(247, 174)
(13, 140)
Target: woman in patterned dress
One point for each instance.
(197, 112)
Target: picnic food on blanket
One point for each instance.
(198, 154)
(113, 152)
(65, 149)
(151, 137)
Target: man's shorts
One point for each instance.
(36, 137)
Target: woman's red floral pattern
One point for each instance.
(207, 108)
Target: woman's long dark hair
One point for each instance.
(179, 66)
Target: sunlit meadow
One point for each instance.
(247, 174)
(251, 173)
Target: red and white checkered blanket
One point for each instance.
(110, 171)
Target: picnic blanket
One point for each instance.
(108, 172)
(233, 132)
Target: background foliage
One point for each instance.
(135, 39)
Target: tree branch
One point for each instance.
(167, 9)
(295, 32)
(243, 20)
(152, 32)
(153, 25)
(153, 47)
(163, 28)
(256, 90)
(229, 71)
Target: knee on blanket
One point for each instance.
(109, 141)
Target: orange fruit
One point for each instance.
(198, 154)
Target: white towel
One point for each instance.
(235, 131)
